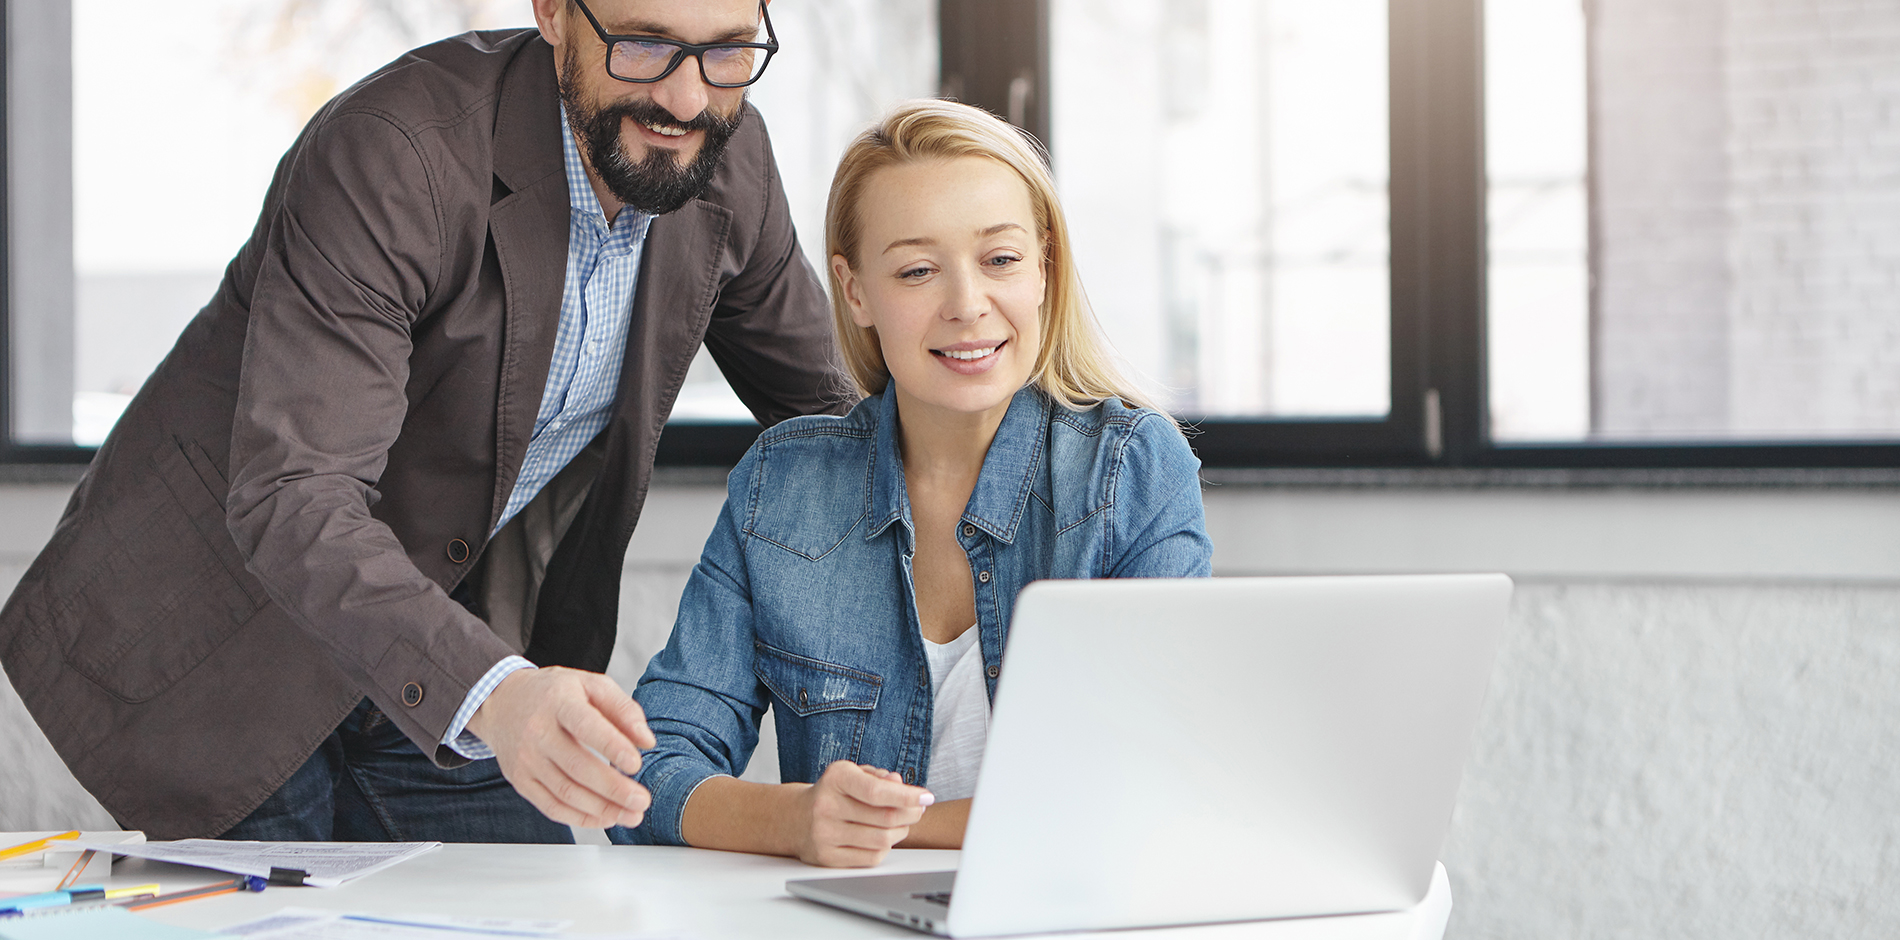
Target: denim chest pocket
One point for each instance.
(822, 709)
(810, 513)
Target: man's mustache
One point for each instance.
(647, 112)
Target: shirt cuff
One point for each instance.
(465, 742)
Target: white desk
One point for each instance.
(699, 894)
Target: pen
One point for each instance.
(72, 874)
(52, 898)
(241, 883)
(27, 848)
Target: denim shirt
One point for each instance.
(803, 599)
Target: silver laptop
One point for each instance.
(1201, 750)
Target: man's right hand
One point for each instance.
(550, 728)
(855, 813)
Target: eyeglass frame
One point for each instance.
(684, 51)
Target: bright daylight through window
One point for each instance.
(163, 197)
(1694, 220)
(1224, 164)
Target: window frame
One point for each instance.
(1439, 401)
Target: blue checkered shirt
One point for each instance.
(603, 267)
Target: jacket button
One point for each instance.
(983, 576)
(994, 671)
(923, 677)
(458, 551)
(969, 530)
(412, 695)
(803, 699)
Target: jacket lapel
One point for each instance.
(529, 226)
(679, 281)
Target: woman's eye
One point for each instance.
(1002, 261)
(912, 273)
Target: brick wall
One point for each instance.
(1746, 216)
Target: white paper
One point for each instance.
(297, 923)
(328, 863)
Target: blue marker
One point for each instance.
(52, 898)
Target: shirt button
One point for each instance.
(923, 677)
(969, 530)
(983, 576)
(803, 699)
(412, 694)
(994, 671)
(458, 551)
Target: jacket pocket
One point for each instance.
(164, 585)
(822, 709)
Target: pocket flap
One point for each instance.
(808, 686)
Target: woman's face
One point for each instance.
(951, 277)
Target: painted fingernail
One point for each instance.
(926, 798)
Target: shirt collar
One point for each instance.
(1002, 488)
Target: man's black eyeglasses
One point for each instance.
(650, 58)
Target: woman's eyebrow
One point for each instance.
(904, 242)
(981, 233)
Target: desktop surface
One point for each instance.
(690, 893)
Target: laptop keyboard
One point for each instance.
(934, 897)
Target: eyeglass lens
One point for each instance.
(722, 65)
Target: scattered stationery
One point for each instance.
(241, 883)
(323, 864)
(39, 870)
(99, 923)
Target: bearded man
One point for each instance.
(348, 567)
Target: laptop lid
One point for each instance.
(1192, 751)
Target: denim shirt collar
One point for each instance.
(1002, 488)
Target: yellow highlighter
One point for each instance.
(139, 891)
(37, 845)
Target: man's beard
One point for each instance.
(659, 184)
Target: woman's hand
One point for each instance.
(855, 813)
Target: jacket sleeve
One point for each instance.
(352, 254)
(1158, 529)
(770, 331)
(701, 696)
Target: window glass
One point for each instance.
(843, 64)
(164, 194)
(1224, 166)
(1694, 220)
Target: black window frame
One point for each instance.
(1439, 401)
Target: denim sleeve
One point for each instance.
(700, 694)
(1158, 529)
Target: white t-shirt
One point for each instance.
(960, 716)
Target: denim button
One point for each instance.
(983, 576)
(412, 694)
(994, 671)
(803, 699)
(969, 530)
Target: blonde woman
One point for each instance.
(860, 579)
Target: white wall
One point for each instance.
(1689, 731)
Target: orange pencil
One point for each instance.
(28, 848)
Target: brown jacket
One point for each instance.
(270, 532)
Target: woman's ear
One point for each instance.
(853, 291)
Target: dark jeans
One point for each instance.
(368, 783)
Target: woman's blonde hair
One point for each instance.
(1074, 366)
